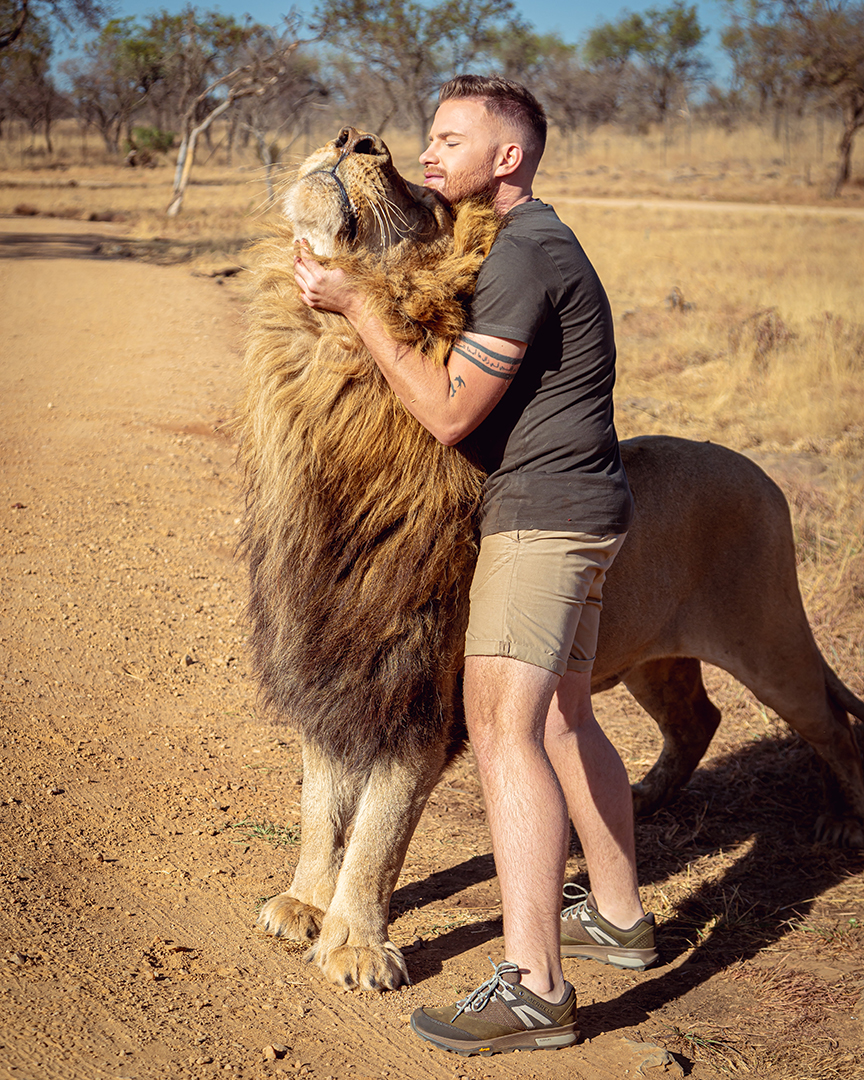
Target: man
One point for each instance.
(532, 379)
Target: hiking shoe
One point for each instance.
(585, 933)
(498, 1017)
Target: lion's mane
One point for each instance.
(359, 525)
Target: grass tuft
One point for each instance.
(277, 835)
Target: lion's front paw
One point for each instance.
(285, 917)
(361, 967)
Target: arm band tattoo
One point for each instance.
(503, 367)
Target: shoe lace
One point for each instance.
(578, 897)
(478, 999)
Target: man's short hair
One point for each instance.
(510, 101)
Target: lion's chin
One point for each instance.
(316, 210)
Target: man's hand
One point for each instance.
(327, 290)
(449, 400)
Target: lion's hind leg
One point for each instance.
(809, 697)
(327, 807)
(672, 692)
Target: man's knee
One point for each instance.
(571, 708)
(504, 696)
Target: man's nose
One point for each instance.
(428, 157)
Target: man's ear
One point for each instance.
(510, 157)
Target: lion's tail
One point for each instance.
(841, 694)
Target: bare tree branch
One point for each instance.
(250, 79)
(15, 14)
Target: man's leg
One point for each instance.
(529, 785)
(528, 599)
(597, 791)
(506, 707)
(526, 1004)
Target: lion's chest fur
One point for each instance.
(359, 525)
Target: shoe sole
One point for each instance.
(555, 1039)
(625, 959)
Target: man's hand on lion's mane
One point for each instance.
(326, 290)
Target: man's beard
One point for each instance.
(468, 183)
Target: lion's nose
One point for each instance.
(356, 142)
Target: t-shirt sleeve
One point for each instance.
(517, 286)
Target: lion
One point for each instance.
(360, 532)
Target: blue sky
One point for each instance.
(571, 20)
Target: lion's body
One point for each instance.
(360, 534)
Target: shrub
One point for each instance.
(152, 139)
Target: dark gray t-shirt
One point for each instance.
(549, 446)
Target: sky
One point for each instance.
(572, 19)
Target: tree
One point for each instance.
(520, 53)
(166, 63)
(120, 69)
(759, 59)
(412, 47)
(356, 94)
(811, 47)
(15, 15)
(27, 90)
(662, 46)
(278, 116)
(575, 95)
(264, 62)
(196, 48)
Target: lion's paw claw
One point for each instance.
(285, 917)
(362, 967)
(845, 832)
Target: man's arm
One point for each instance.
(448, 401)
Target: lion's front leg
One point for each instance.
(327, 806)
(353, 949)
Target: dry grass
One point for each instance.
(743, 329)
(716, 1045)
(790, 1014)
(734, 324)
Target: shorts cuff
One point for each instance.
(581, 666)
(525, 653)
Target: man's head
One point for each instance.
(487, 138)
(511, 104)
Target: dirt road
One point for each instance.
(145, 806)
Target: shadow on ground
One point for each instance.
(55, 245)
(753, 811)
(92, 245)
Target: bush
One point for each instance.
(152, 139)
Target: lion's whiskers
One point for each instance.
(264, 204)
(392, 221)
(285, 176)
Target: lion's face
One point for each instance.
(349, 194)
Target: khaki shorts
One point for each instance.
(536, 596)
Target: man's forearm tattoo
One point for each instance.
(456, 384)
(493, 363)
